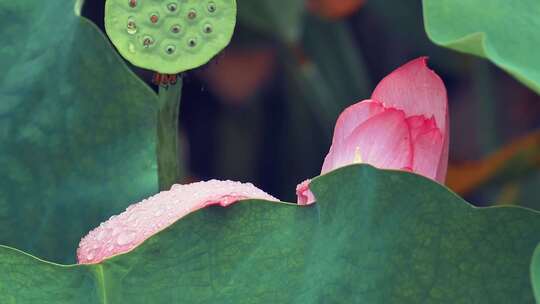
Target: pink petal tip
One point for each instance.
(415, 89)
(303, 194)
(404, 125)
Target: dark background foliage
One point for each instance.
(264, 110)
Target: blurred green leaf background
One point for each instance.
(271, 120)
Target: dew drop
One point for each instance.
(132, 3)
(100, 235)
(90, 256)
(132, 217)
(131, 26)
(116, 231)
(125, 238)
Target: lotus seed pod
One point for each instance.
(170, 36)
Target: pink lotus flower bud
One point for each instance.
(124, 232)
(403, 126)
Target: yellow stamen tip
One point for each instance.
(357, 156)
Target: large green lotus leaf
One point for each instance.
(505, 32)
(535, 273)
(373, 237)
(77, 128)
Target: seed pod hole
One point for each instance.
(170, 49)
(172, 7)
(192, 14)
(170, 36)
(147, 41)
(211, 7)
(207, 29)
(154, 18)
(175, 29)
(192, 42)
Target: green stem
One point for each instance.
(168, 152)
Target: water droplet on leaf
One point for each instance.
(125, 238)
(116, 231)
(90, 256)
(100, 235)
(131, 26)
